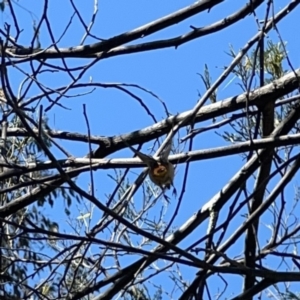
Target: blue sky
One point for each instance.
(169, 73)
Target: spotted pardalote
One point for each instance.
(161, 171)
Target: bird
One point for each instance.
(161, 171)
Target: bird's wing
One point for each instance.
(166, 151)
(147, 159)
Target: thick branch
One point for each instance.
(83, 164)
(270, 92)
(124, 38)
